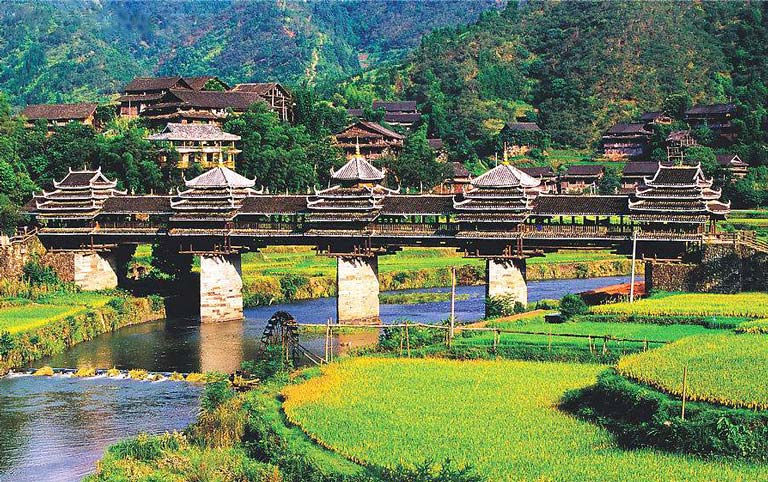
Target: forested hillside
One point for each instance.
(83, 50)
(578, 67)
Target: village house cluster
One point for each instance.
(187, 115)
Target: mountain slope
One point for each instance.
(83, 50)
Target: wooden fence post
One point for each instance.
(407, 340)
(685, 390)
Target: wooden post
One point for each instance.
(591, 348)
(407, 340)
(632, 278)
(496, 336)
(685, 391)
(453, 305)
(327, 340)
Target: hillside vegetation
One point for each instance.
(84, 50)
(578, 67)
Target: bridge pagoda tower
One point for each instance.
(496, 203)
(72, 207)
(204, 212)
(346, 209)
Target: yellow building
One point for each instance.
(204, 144)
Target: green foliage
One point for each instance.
(416, 166)
(572, 305)
(641, 417)
(430, 472)
(755, 327)
(118, 304)
(497, 306)
(217, 391)
(290, 284)
(167, 260)
(696, 305)
(610, 182)
(271, 364)
(145, 447)
(38, 274)
(392, 339)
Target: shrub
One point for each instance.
(145, 447)
(642, 417)
(290, 285)
(137, 374)
(37, 274)
(572, 305)
(118, 304)
(85, 372)
(156, 302)
(392, 338)
(222, 426)
(270, 364)
(45, 371)
(498, 306)
(429, 472)
(217, 391)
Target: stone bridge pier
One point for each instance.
(505, 278)
(221, 288)
(357, 283)
(91, 270)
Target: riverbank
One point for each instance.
(30, 330)
(279, 275)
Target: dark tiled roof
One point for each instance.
(576, 205)
(217, 100)
(220, 177)
(426, 205)
(59, 111)
(374, 128)
(640, 168)
(266, 204)
(629, 128)
(355, 112)
(651, 116)
(193, 132)
(140, 97)
(148, 84)
(711, 109)
(678, 175)
(730, 160)
(398, 106)
(137, 204)
(259, 88)
(539, 172)
(402, 117)
(197, 83)
(584, 170)
(523, 126)
(435, 144)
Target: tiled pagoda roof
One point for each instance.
(497, 194)
(80, 195)
(216, 194)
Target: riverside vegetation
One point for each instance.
(387, 418)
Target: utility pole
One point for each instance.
(634, 256)
(453, 304)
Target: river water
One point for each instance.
(56, 428)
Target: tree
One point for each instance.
(416, 166)
(611, 181)
(572, 305)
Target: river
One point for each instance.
(56, 428)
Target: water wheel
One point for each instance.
(283, 331)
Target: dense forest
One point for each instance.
(85, 50)
(578, 67)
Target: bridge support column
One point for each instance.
(357, 283)
(221, 288)
(94, 271)
(505, 278)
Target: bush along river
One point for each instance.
(57, 427)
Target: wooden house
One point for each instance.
(203, 144)
(734, 164)
(373, 140)
(677, 142)
(545, 174)
(458, 182)
(635, 172)
(581, 178)
(657, 117)
(275, 95)
(60, 114)
(626, 140)
(399, 113)
(718, 117)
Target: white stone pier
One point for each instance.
(357, 282)
(94, 271)
(221, 288)
(505, 278)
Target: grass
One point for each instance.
(726, 369)
(751, 305)
(499, 416)
(29, 316)
(416, 298)
(601, 332)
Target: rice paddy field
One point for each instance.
(597, 330)
(750, 305)
(23, 315)
(726, 369)
(751, 220)
(499, 416)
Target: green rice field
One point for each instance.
(750, 305)
(499, 416)
(727, 369)
(25, 316)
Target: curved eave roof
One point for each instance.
(505, 175)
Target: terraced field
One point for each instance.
(727, 369)
(499, 416)
(751, 305)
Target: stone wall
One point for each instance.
(13, 256)
(722, 268)
(221, 288)
(505, 278)
(357, 281)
